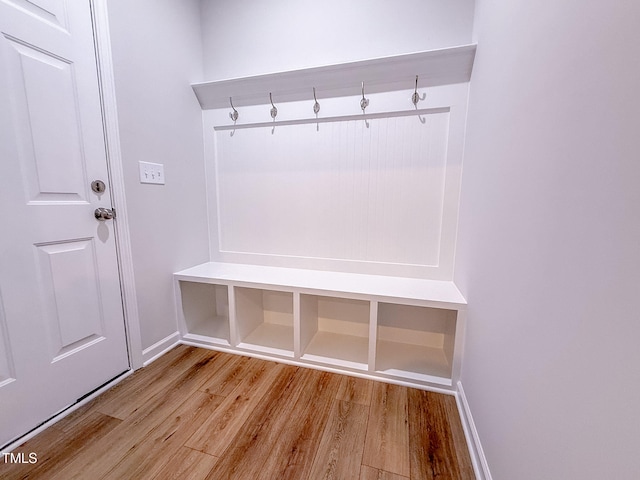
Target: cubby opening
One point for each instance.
(415, 342)
(264, 320)
(206, 311)
(335, 330)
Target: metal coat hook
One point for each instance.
(274, 110)
(364, 103)
(415, 98)
(233, 115)
(316, 105)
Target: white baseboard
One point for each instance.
(478, 459)
(158, 349)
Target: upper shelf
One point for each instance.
(398, 72)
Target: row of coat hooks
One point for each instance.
(364, 103)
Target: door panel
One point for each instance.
(44, 95)
(70, 287)
(6, 358)
(48, 11)
(61, 318)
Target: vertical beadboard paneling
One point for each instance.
(346, 190)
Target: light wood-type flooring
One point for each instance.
(197, 414)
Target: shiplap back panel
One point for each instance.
(340, 191)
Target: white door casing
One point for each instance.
(61, 314)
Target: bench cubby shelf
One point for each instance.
(404, 330)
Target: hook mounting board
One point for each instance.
(435, 67)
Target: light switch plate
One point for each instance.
(151, 173)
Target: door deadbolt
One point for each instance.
(103, 214)
(98, 186)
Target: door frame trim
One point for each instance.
(100, 20)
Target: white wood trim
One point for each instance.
(397, 72)
(180, 320)
(159, 348)
(373, 334)
(458, 344)
(478, 459)
(421, 292)
(116, 181)
(338, 118)
(234, 335)
(16, 443)
(329, 345)
(297, 332)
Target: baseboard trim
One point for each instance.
(478, 459)
(155, 351)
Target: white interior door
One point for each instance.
(61, 319)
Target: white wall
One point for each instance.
(157, 53)
(549, 243)
(245, 37)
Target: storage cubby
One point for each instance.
(335, 330)
(264, 320)
(415, 342)
(371, 326)
(205, 309)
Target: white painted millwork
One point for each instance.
(374, 194)
(61, 323)
(434, 67)
(394, 328)
(348, 191)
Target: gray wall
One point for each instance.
(157, 53)
(248, 37)
(549, 243)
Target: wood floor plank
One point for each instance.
(252, 446)
(356, 390)
(146, 459)
(295, 449)
(459, 440)
(369, 473)
(55, 449)
(187, 464)
(269, 421)
(387, 442)
(138, 390)
(216, 433)
(44, 445)
(102, 457)
(123, 391)
(433, 454)
(340, 450)
(227, 377)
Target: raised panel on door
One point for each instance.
(51, 12)
(44, 94)
(70, 287)
(7, 373)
